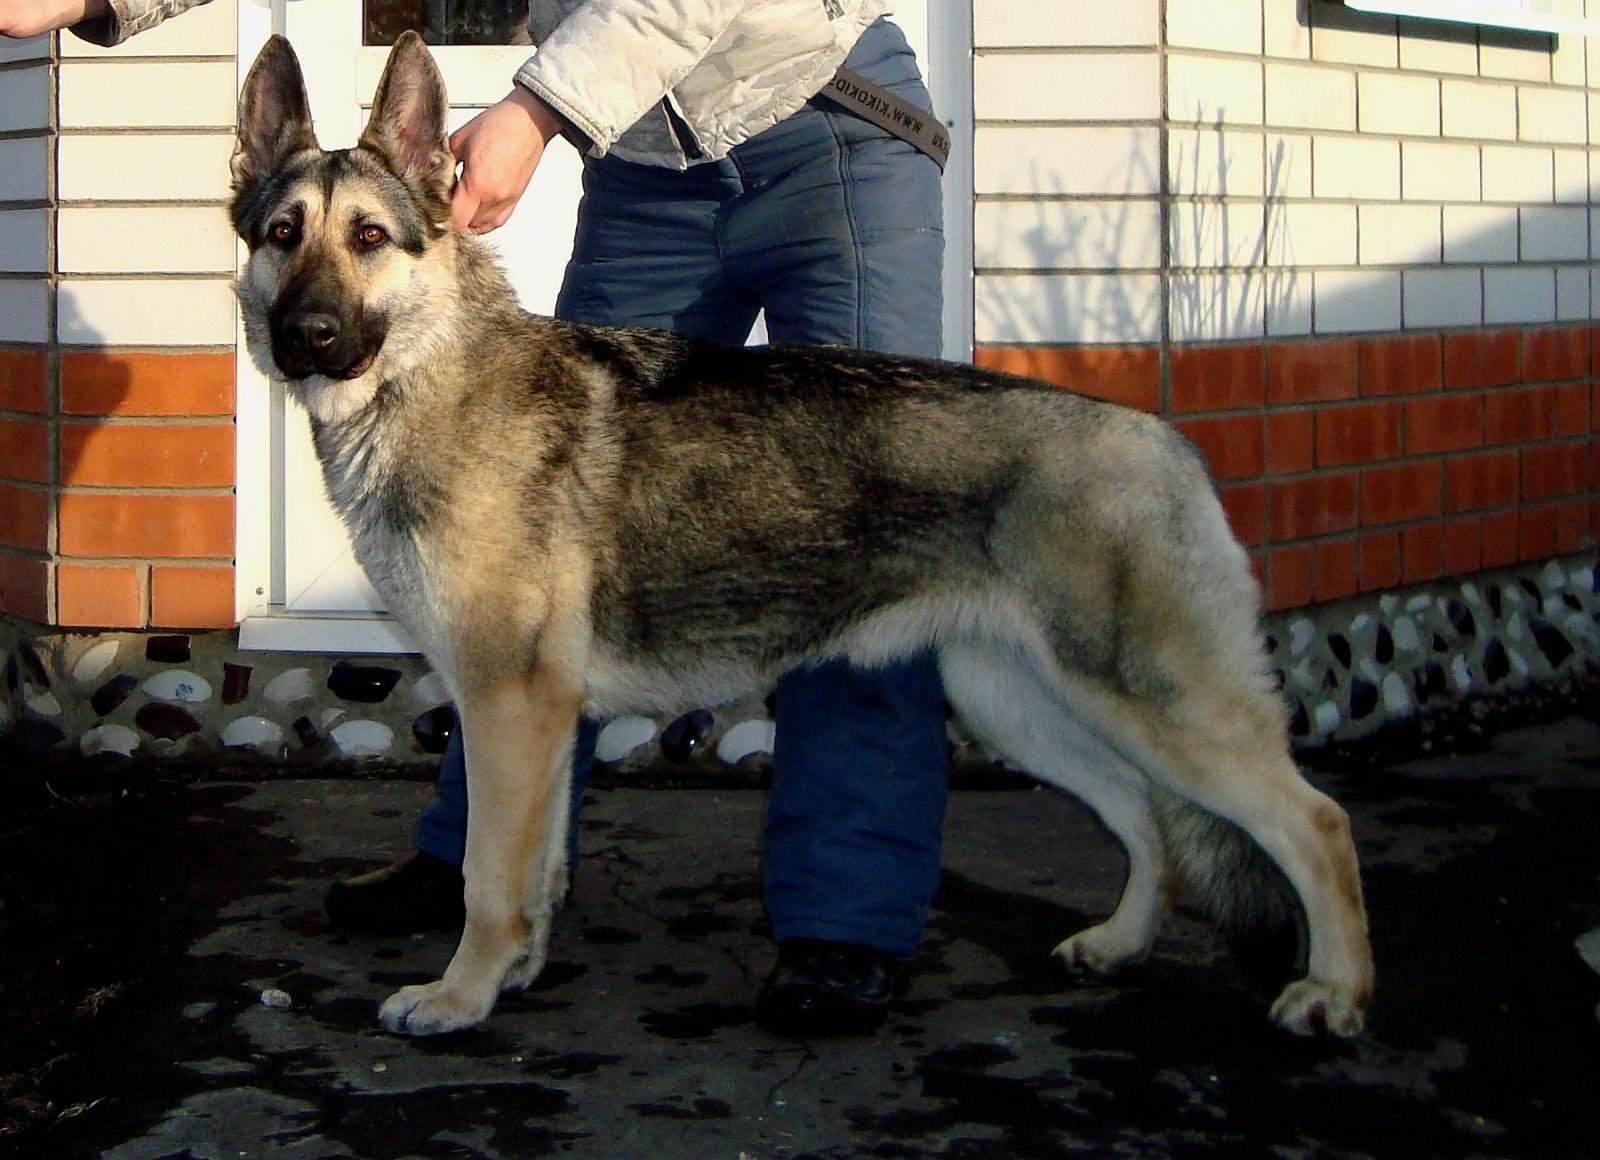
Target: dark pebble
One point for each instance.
(111, 694)
(683, 738)
(1496, 665)
(1340, 646)
(1496, 600)
(1383, 646)
(35, 666)
(306, 731)
(31, 737)
(160, 719)
(13, 675)
(1461, 618)
(1299, 720)
(1551, 642)
(1330, 681)
(1363, 698)
(433, 728)
(1429, 681)
(167, 650)
(235, 683)
(1440, 645)
(367, 684)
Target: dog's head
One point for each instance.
(340, 241)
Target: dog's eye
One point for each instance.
(371, 236)
(283, 233)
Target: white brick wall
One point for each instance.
(1475, 109)
(1068, 308)
(24, 99)
(1400, 235)
(1064, 23)
(1079, 87)
(23, 309)
(1412, 175)
(1435, 298)
(1067, 235)
(1480, 233)
(24, 169)
(1518, 294)
(24, 241)
(1203, 90)
(172, 94)
(1053, 160)
(172, 239)
(1356, 167)
(145, 312)
(1353, 301)
(143, 167)
(1397, 103)
(1303, 97)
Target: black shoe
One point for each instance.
(419, 893)
(820, 989)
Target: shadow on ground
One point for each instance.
(142, 921)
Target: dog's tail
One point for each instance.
(1233, 882)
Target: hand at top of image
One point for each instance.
(498, 149)
(24, 18)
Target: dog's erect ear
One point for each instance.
(407, 128)
(274, 115)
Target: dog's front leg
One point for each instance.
(519, 733)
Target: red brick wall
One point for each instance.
(116, 488)
(1351, 465)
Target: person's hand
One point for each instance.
(23, 18)
(498, 149)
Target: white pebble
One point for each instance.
(288, 687)
(252, 733)
(363, 738)
(96, 659)
(278, 1000)
(747, 737)
(429, 691)
(109, 739)
(178, 685)
(622, 737)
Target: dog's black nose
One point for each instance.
(311, 332)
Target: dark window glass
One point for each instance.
(446, 21)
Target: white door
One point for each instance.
(299, 586)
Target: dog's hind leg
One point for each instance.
(1220, 745)
(1010, 705)
(519, 733)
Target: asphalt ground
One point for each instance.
(143, 917)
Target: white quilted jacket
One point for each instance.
(661, 82)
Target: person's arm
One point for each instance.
(102, 22)
(20, 19)
(600, 70)
(609, 61)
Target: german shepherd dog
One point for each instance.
(575, 518)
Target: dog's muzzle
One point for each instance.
(316, 342)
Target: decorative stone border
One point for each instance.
(1346, 669)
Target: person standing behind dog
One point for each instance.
(717, 183)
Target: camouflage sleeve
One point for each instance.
(128, 18)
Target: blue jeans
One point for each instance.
(832, 227)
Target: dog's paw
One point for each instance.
(1101, 950)
(1313, 1007)
(429, 1010)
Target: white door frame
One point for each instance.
(259, 577)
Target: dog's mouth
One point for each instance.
(297, 366)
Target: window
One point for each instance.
(1527, 15)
